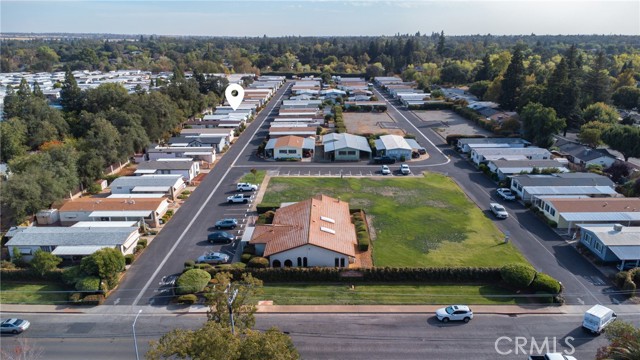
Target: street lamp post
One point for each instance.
(135, 341)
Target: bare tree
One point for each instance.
(24, 350)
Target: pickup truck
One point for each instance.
(551, 356)
(238, 198)
(246, 187)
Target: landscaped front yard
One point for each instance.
(391, 294)
(17, 293)
(422, 221)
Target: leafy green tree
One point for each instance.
(479, 88)
(43, 262)
(159, 114)
(13, 133)
(601, 112)
(214, 341)
(484, 72)
(623, 138)
(22, 194)
(591, 133)
(540, 124)
(374, 70)
(624, 342)
(106, 263)
(513, 82)
(627, 97)
(105, 139)
(46, 59)
(243, 306)
(109, 96)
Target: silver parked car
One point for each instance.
(213, 258)
(506, 194)
(499, 211)
(14, 326)
(454, 313)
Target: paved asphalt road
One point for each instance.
(321, 336)
(184, 237)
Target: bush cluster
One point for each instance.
(88, 284)
(518, 276)
(362, 233)
(258, 263)
(187, 299)
(128, 259)
(339, 119)
(29, 275)
(629, 281)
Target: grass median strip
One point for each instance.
(388, 294)
(421, 221)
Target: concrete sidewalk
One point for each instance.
(316, 309)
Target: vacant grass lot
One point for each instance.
(16, 293)
(418, 221)
(392, 294)
(254, 179)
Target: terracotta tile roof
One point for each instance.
(596, 205)
(106, 204)
(290, 141)
(321, 221)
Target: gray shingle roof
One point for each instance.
(579, 151)
(146, 180)
(567, 179)
(336, 141)
(85, 236)
(165, 165)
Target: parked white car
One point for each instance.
(246, 187)
(385, 170)
(454, 313)
(499, 211)
(404, 169)
(505, 194)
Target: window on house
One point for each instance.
(342, 152)
(351, 152)
(299, 261)
(282, 151)
(304, 261)
(552, 211)
(587, 238)
(293, 151)
(337, 262)
(342, 263)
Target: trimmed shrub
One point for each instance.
(94, 299)
(88, 284)
(142, 242)
(187, 299)
(189, 263)
(29, 275)
(258, 262)
(71, 275)
(245, 258)
(138, 249)
(192, 281)
(203, 266)
(620, 278)
(128, 259)
(249, 249)
(544, 283)
(518, 276)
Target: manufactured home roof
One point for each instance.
(571, 190)
(597, 205)
(165, 165)
(512, 151)
(566, 179)
(85, 236)
(627, 235)
(390, 142)
(146, 180)
(337, 141)
(488, 141)
(111, 204)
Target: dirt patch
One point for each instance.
(127, 170)
(447, 122)
(371, 123)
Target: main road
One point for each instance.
(324, 336)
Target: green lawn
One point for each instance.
(418, 221)
(17, 293)
(257, 179)
(400, 294)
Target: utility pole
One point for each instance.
(231, 297)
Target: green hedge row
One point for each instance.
(30, 275)
(376, 274)
(362, 233)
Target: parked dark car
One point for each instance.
(384, 160)
(220, 237)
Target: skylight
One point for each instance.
(327, 230)
(327, 219)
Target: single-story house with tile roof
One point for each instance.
(568, 213)
(506, 168)
(290, 147)
(313, 232)
(584, 155)
(531, 153)
(465, 145)
(612, 243)
(346, 147)
(169, 185)
(148, 210)
(189, 169)
(72, 242)
(394, 146)
(590, 184)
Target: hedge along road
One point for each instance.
(183, 231)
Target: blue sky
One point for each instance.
(321, 17)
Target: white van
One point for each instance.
(597, 318)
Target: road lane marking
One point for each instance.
(205, 203)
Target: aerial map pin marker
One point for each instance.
(234, 94)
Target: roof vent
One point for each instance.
(617, 227)
(327, 230)
(327, 219)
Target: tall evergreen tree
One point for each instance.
(513, 82)
(597, 85)
(71, 96)
(484, 70)
(441, 45)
